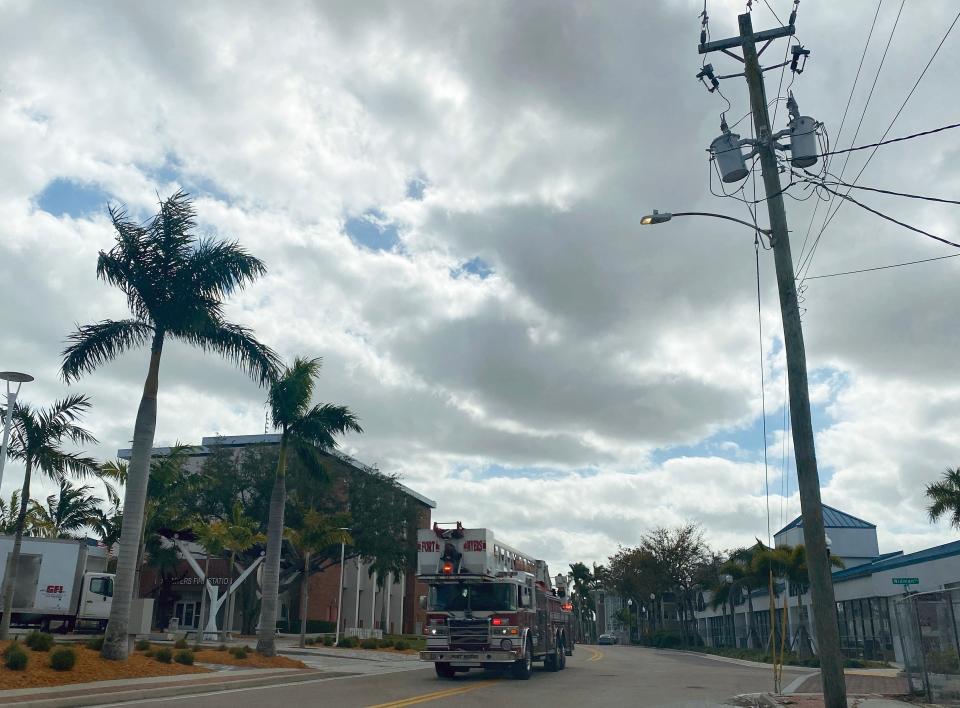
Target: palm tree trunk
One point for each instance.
(13, 560)
(266, 644)
(116, 644)
(751, 632)
(304, 596)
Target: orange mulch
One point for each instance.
(89, 667)
(253, 660)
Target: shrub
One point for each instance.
(63, 659)
(665, 640)
(148, 653)
(16, 657)
(369, 644)
(95, 643)
(386, 643)
(328, 641)
(238, 652)
(184, 656)
(309, 641)
(348, 642)
(142, 645)
(401, 645)
(163, 655)
(39, 641)
(180, 643)
(222, 647)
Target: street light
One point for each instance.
(10, 377)
(629, 611)
(658, 217)
(336, 635)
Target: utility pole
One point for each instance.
(808, 480)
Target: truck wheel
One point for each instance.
(523, 668)
(552, 662)
(562, 657)
(444, 670)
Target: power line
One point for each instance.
(892, 140)
(848, 198)
(763, 395)
(885, 267)
(863, 113)
(887, 131)
(939, 200)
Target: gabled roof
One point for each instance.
(832, 519)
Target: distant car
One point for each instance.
(607, 639)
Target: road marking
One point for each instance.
(436, 695)
(596, 654)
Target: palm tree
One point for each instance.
(315, 533)
(8, 516)
(37, 439)
(75, 508)
(175, 286)
(306, 431)
(795, 571)
(944, 497)
(239, 534)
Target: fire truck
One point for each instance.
(489, 605)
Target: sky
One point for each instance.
(448, 195)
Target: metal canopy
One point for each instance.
(16, 376)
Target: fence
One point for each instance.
(361, 633)
(930, 634)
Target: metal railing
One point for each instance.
(930, 636)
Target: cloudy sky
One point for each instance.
(448, 194)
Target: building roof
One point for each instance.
(832, 519)
(892, 561)
(207, 443)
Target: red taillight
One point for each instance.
(447, 568)
(497, 621)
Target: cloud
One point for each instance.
(447, 196)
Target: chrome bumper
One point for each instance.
(456, 656)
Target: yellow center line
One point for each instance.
(596, 654)
(433, 696)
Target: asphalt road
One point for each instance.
(595, 676)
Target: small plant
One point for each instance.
(328, 641)
(348, 642)
(16, 657)
(184, 656)
(386, 643)
(238, 652)
(163, 655)
(39, 641)
(401, 645)
(369, 644)
(148, 653)
(142, 645)
(309, 641)
(95, 643)
(180, 643)
(222, 647)
(63, 659)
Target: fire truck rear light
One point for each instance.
(447, 568)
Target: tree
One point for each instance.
(316, 532)
(37, 439)
(744, 578)
(175, 286)
(944, 497)
(8, 516)
(239, 534)
(305, 431)
(67, 513)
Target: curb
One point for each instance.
(146, 693)
(297, 651)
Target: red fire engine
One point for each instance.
(490, 606)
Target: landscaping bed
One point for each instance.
(88, 667)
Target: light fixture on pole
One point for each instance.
(336, 636)
(659, 217)
(11, 377)
(629, 615)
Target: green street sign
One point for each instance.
(906, 581)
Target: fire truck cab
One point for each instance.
(489, 606)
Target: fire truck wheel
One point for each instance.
(563, 657)
(444, 670)
(523, 668)
(552, 662)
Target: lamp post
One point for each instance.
(336, 636)
(822, 596)
(629, 623)
(11, 377)
(653, 612)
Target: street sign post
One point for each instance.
(906, 581)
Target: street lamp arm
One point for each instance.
(722, 216)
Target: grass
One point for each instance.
(763, 657)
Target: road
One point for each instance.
(595, 676)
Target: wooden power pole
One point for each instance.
(808, 480)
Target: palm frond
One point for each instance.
(290, 393)
(237, 345)
(324, 422)
(218, 268)
(96, 344)
(944, 497)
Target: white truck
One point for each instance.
(61, 581)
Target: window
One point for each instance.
(102, 586)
